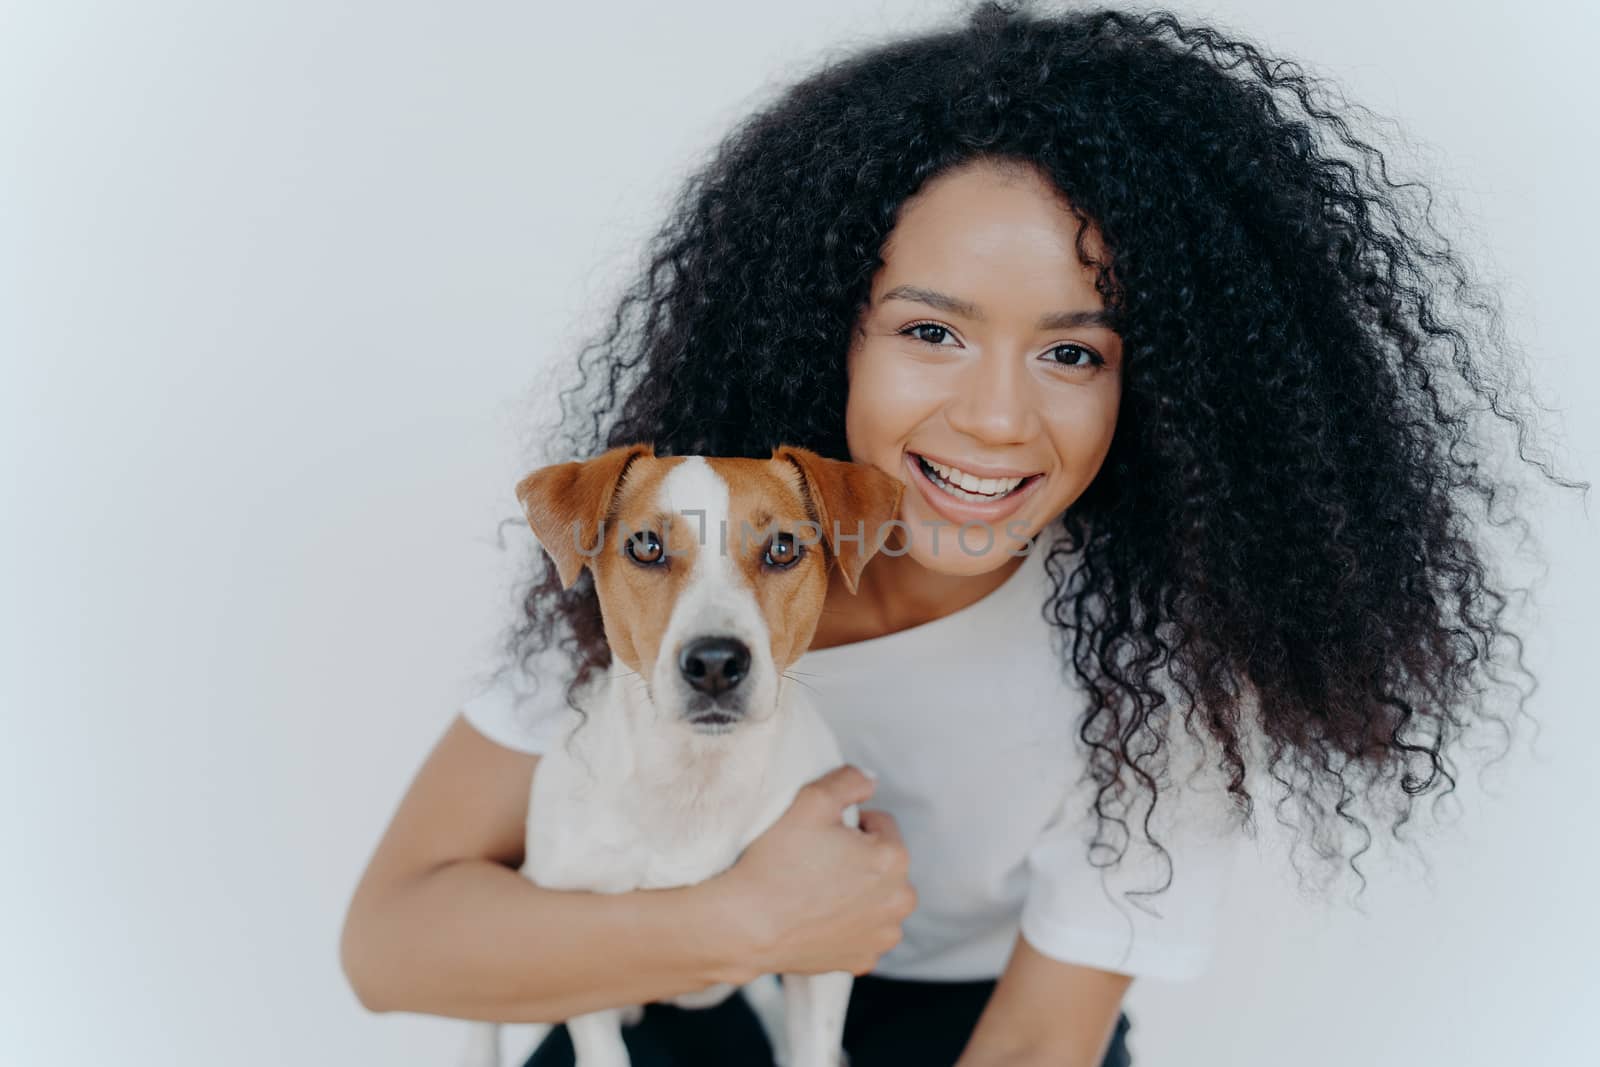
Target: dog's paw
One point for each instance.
(632, 1014)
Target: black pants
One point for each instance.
(891, 1022)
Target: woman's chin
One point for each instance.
(961, 560)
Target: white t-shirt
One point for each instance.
(970, 724)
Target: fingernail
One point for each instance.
(869, 772)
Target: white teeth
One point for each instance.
(963, 486)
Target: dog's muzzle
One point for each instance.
(714, 667)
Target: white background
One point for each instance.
(279, 285)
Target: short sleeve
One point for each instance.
(525, 709)
(1078, 913)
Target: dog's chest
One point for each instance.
(611, 845)
(612, 810)
(589, 833)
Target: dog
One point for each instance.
(711, 575)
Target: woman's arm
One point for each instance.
(1044, 1011)
(475, 940)
(442, 923)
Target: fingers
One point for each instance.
(880, 823)
(841, 787)
(887, 842)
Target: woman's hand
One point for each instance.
(812, 895)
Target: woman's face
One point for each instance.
(980, 374)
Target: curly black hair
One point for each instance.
(1284, 524)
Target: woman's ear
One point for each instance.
(853, 503)
(566, 502)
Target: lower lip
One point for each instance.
(967, 510)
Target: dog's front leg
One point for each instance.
(597, 1039)
(765, 997)
(813, 1009)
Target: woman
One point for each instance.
(1136, 292)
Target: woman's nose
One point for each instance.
(994, 402)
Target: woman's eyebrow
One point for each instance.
(1055, 320)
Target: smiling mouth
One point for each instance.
(963, 486)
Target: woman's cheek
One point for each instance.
(895, 386)
(876, 409)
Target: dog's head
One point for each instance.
(711, 572)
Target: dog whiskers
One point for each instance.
(797, 681)
(644, 683)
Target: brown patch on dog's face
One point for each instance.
(766, 513)
(636, 595)
(767, 529)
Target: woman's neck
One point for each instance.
(896, 593)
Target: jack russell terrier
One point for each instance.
(711, 574)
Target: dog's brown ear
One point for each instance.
(566, 502)
(853, 503)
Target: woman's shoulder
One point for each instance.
(1009, 618)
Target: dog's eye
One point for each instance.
(645, 547)
(783, 551)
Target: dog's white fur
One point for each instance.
(637, 798)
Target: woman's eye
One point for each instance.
(784, 551)
(1073, 353)
(645, 547)
(914, 329)
(1067, 355)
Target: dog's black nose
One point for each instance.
(714, 664)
